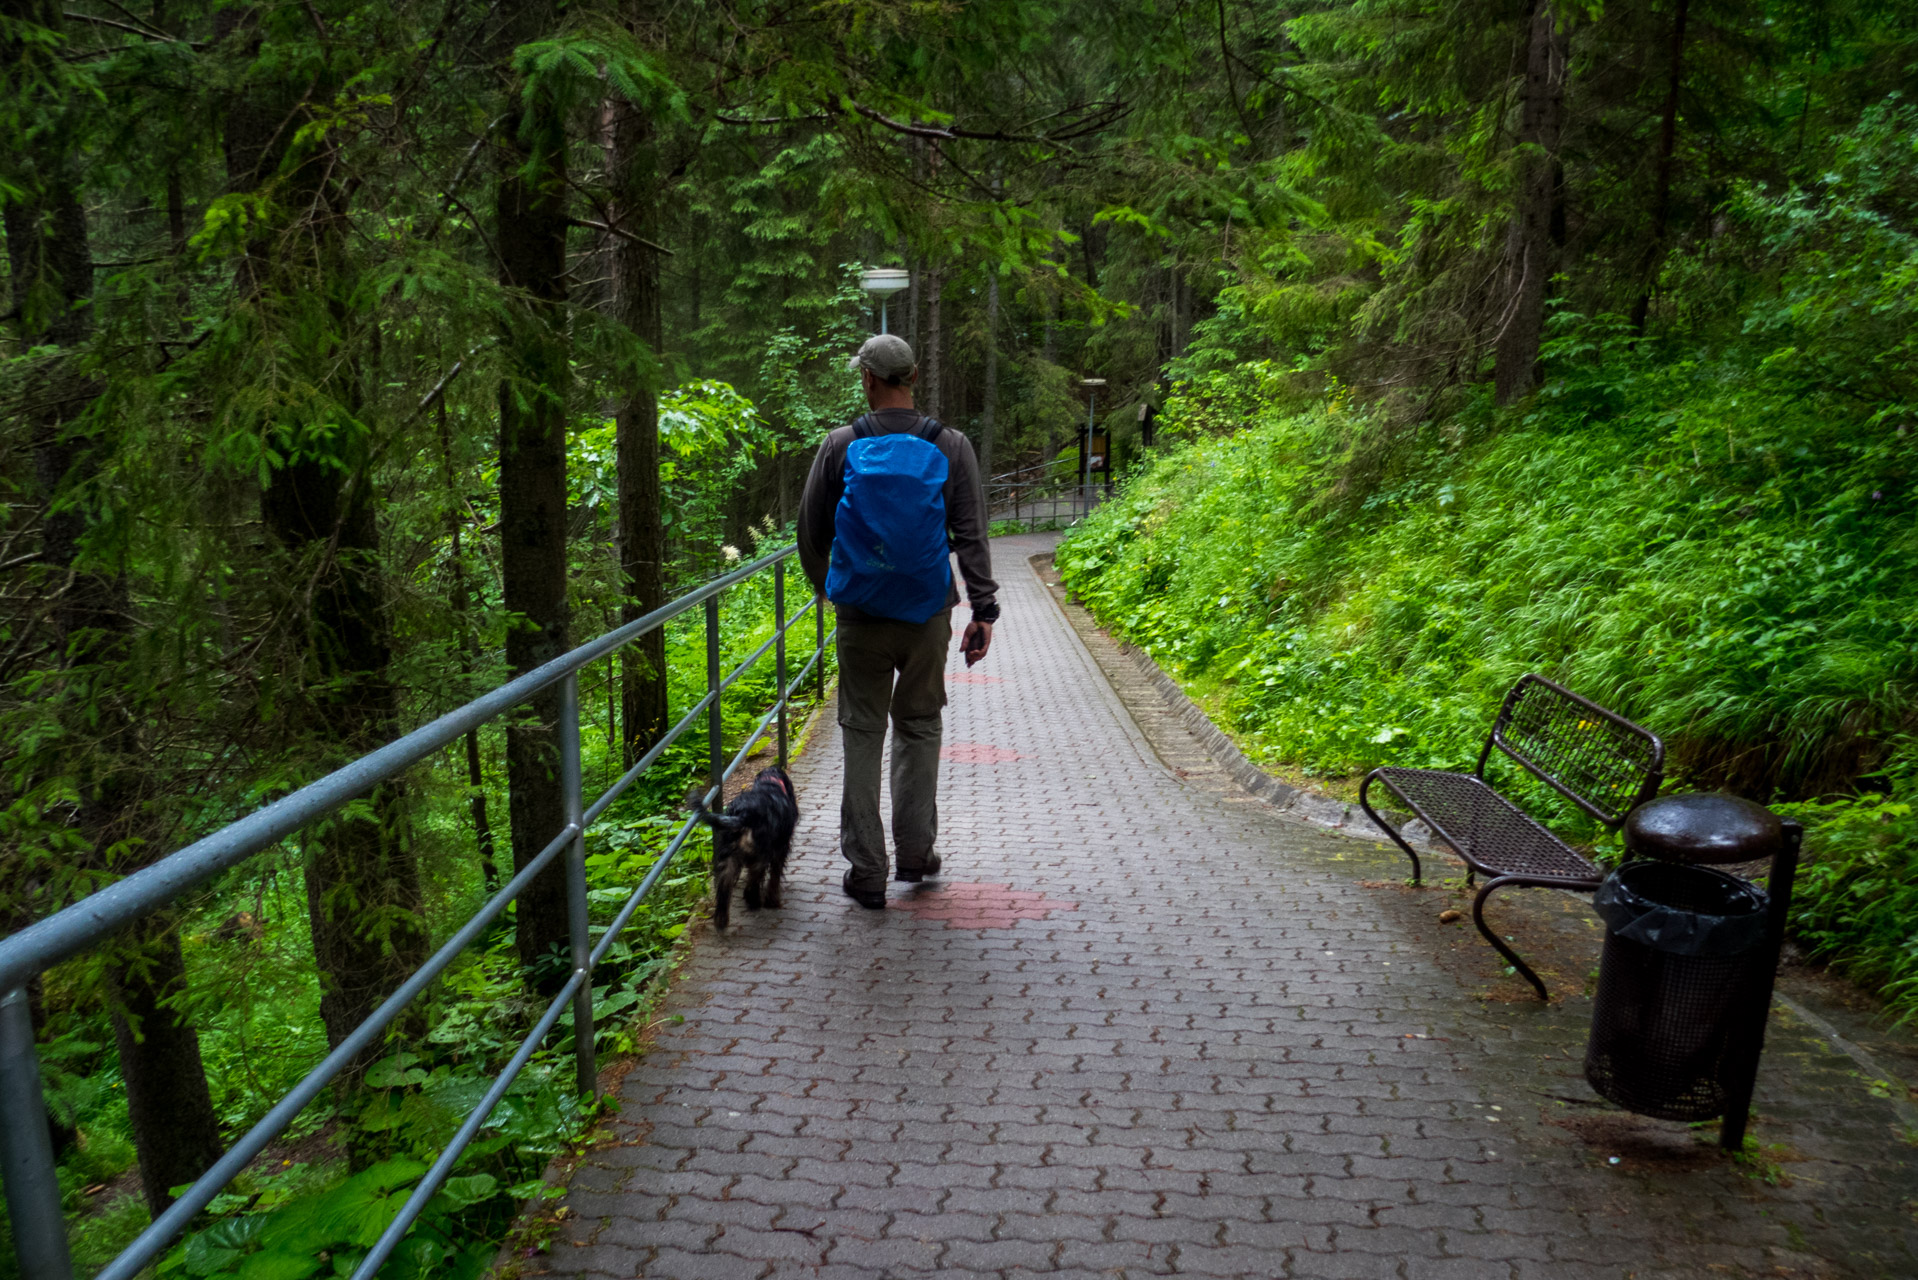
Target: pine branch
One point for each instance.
(623, 235)
(144, 32)
(756, 121)
(1108, 114)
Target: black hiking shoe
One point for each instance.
(870, 899)
(913, 875)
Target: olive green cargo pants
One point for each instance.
(897, 671)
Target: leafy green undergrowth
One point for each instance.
(1857, 894)
(331, 1232)
(1733, 565)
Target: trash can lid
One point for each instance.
(1703, 828)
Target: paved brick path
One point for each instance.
(1143, 1026)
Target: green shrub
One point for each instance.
(1857, 891)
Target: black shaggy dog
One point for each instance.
(754, 835)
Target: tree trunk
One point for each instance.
(915, 269)
(1164, 333)
(1092, 242)
(642, 535)
(1667, 148)
(531, 240)
(1049, 293)
(468, 658)
(1528, 246)
(914, 277)
(1180, 308)
(931, 401)
(476, 804)
(175, 1130)
(362, 881)
(988, 412)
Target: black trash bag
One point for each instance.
(1686, 950)
(1682, 910)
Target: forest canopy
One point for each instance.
(360, 356)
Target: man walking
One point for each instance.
(889, 497)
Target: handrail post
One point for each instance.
(26, 1150)
(714, 724)
(580, 935)
(779, 650)
(819, 646)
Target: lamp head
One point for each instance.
(883, 282)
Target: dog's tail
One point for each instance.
(717, 821)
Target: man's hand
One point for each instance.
(976, 641)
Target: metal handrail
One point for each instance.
(1037, 466)
(26, 1156)
(1063, 497)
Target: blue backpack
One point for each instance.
(889, 548)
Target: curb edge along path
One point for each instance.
(1145, 1026)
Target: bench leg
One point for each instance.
(1498, 943)
(1387, 827)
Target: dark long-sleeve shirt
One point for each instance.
(967, 521)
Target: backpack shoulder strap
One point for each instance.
(863, 428)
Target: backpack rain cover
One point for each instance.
(889, 547)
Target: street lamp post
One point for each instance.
(882, 283)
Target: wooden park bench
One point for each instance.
(1602, 762)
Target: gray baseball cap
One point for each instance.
(887, 355)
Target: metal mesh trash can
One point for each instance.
(1683, 975)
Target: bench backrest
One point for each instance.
(1599, 760)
